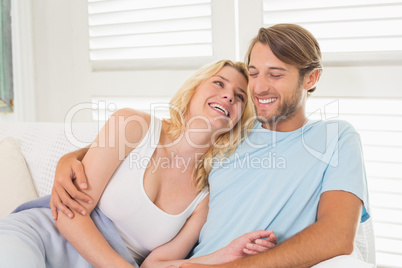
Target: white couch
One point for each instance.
(42, 144)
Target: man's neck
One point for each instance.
(287, 125)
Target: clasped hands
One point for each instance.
(246, 245)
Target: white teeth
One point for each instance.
(267, 100)
(219, 108)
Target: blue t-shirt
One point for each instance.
(274, 180)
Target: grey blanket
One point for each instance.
(58, 252)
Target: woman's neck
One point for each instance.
(191, 142)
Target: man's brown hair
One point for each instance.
(291, 44)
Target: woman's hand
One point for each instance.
(69, 173)
(248, 244)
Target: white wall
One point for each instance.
(9, 117)
(53, 56)
(63, 76)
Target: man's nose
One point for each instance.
(259, 85)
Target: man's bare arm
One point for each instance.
(332, 235)
(64, 191)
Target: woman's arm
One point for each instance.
(182, 243)
(89, 242)
(123, 131)
(174, 252)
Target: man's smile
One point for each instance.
(266, 100)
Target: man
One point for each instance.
(303, 179)
(313, 191)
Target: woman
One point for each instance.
(159, 206)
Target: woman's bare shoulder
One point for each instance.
(133, 124)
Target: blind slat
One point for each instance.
(362, 45)
(388, 231)
(388, 260)
(152, 52)
(389, 246)
(156, 14)
(308, 4)
(332, 14)
(381, 153)
(124, 5)
(386, 200)
(387, 138)
(354, 29)
(199, 23)
(365, 122)
(386, 185)
(151, 40)
(384, 169)
(387, 215)
(349, 106)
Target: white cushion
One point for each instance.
(42, 145)
(16, 185)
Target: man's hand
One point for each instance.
(249, 244)
(70, 180)
(332, 235)
(195, 265)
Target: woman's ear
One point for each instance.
(311, 79)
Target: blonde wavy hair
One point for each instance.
(226, 143)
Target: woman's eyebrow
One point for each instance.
(244, 92)
(223, 78)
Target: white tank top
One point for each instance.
(142, 225)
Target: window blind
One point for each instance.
(379, 123)
(154, 29)
(359, 26)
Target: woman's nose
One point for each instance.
(229, 97)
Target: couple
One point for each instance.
(313, 201)
(303, 179)
(157, 210)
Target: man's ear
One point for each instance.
(311, 79)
